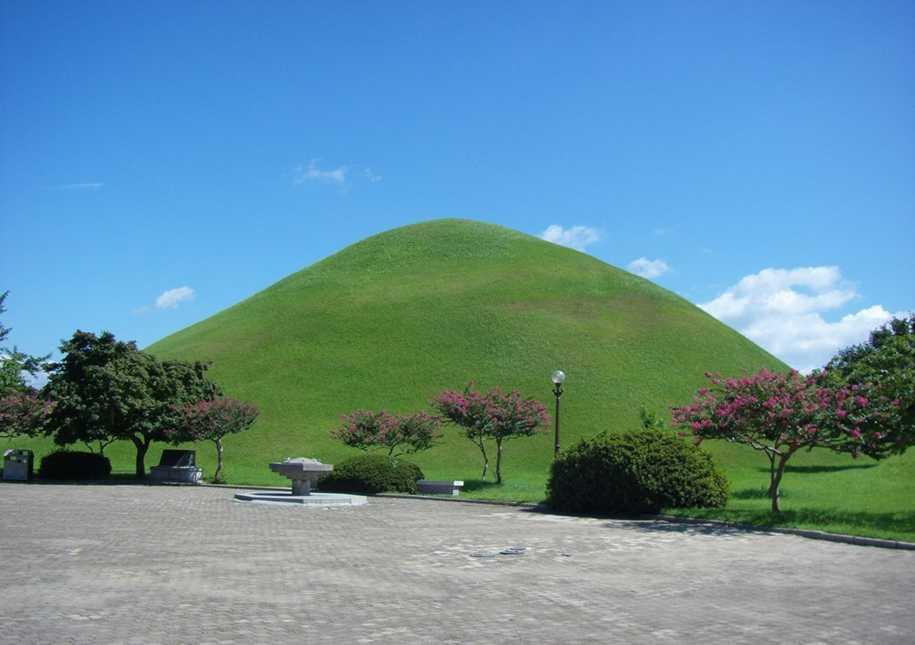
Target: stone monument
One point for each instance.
(304, 473)
(176, 466)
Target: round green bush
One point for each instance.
(68, 465)
(634, 472)
(372, 474)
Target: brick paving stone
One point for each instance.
(158, 564)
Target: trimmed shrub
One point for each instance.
(74, 465)
(634, 472)
(372, 474)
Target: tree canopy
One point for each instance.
(106, 390)
(493, 414)
(211, 420)
(886, 362)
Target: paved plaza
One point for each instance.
(146, 564)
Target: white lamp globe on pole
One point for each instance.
(558, 377)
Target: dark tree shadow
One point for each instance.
(899, 522)
(473, 485)
(741, 521)
(753, 493)
(115, 479)
(685, 528)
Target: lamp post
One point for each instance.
(557, 377)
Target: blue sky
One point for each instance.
(161, 161)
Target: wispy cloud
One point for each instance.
(89, 185)
(782, 310)
(169, 299)
(648, 268)
(660, 231)
(371, 176)
(313, 173)
(173, 297)
(575, 237)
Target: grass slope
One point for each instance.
(394, 319)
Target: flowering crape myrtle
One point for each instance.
(780, 414)
(211, 420)
(399, 434)
(493, 414)
(23, 414)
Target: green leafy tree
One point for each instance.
(106, 390)
(212, 420)
(13, 363)
(885, 363)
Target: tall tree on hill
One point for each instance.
(106, 390)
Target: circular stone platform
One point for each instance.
(314, 499)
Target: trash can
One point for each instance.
(17, 465)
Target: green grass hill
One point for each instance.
(394, 319)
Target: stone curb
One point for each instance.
(437, 498)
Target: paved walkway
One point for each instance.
(141, 564)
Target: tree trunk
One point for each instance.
(142, 447)
(776, 480)
(499, 461)
(482, 447)
(217, 476)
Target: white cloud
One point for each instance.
(91, 185)
(781, 309)
(648, 268)
(173, 297)
(660, 231)
(783, 292)
(576, 237)
(311, 172)
(371, 176)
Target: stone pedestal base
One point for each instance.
(301, 487)
(315, 500)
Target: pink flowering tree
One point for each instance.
(23, 413)
(780, 414)
(491, 415)
(398, 434)
(212, 420)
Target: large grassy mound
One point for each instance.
(396, 318)
(391, 321)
